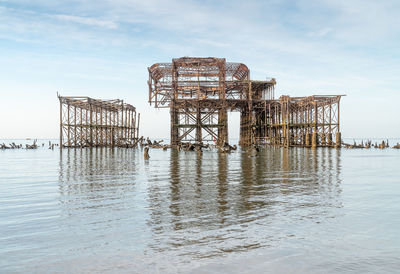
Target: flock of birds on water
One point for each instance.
(225, 148)
(27, 146)
(198, 147)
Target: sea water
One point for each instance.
(295, 210)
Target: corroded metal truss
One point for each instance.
(200, 92)
(88, 122)
(295, 121)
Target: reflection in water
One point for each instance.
(106, 210)
(98, 192)
(217, 203)
(88, 171)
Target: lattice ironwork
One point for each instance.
(88, 122)
(200, 91)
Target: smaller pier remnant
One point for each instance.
(88, 122)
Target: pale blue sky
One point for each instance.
(102, 49)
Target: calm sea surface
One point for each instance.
(284, 211)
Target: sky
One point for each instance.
(102, 48)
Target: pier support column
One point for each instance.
(323, 139)
(112, 137)
(314, 139)
(338, 139)
(198, 126)
(223, 127)
(308, 143)
(174, 125)
(329, 139)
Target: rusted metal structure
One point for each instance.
(88, 122)
(295, 121)
(200, 91)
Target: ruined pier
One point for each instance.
(200, 91)
(88, 122)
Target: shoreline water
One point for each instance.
(286, 210)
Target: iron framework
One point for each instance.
(200, 91)
(88, 122)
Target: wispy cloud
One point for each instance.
(86, 21)
(309, 46)
(321, 32)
